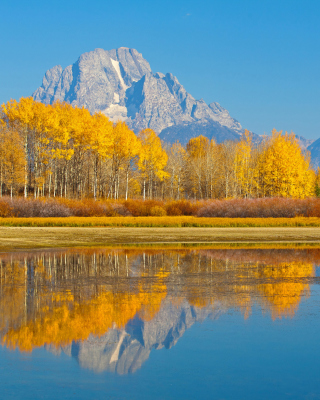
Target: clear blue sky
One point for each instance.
(260, 59)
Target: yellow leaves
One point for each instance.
(285, 171)
(244, 165)
(152, 158)
(88, 155)
(200, 161)
(71, 321)
(75, 294)
(12, 157)
(100, 137)
(22, 111)
(198, 147)
(284, 296)
(124, 145)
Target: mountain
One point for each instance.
(209, 129)
(125, 350)
(120, 84)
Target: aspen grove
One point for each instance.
(64, 151)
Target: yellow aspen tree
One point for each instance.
(176, 168)
(197, 149)
(62, 142)
(285, 170)
(14, 161)
(101, 138)
(227, 179)
(2, 152)
(212, 167)
(152, 160)
(40, 125)
(245, 168)
(118, 151)
(130, 149)
(21, 113)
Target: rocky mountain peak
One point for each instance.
(125, 350)
(120, 83)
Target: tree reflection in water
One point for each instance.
(109, 308)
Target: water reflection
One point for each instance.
(110, 308)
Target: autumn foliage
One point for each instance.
(63, 151)
(77, 293)
(231, 208)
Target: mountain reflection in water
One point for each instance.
(110, 308)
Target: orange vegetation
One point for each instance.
(78, 293)
(63, 151)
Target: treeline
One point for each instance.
(63, 151)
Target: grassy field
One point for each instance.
(167, 221)
(12, 238)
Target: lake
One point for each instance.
(160, 323)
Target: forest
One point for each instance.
(60, 151)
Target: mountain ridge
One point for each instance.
(121, 84)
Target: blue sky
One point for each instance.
(260, 59)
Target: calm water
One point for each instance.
(160, 324)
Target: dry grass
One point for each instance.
(166, 221)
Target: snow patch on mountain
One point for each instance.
(120, 83)
(116, 66)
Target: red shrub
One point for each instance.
(263, 208)
(21, 207)
(143, 208)
(183, 207)
(5, 209)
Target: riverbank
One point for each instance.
(14, 238)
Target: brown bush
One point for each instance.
(183, 207)
(245, 208)
(142, 208)
(88, 207)
(5, 209)
(120, 209)
(263, 208)
(21, 207)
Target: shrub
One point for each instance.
(120, 209)
(142, 208)
(231, 208)
(21, 207)
(88, 207)
(183, 207)
(5, 209)
(157, 211)
(260, 208)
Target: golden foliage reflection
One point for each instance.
(59, 297)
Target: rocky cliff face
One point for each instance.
(97, 81)
(120, 83)
(125, 350)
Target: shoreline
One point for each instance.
(18, 238)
